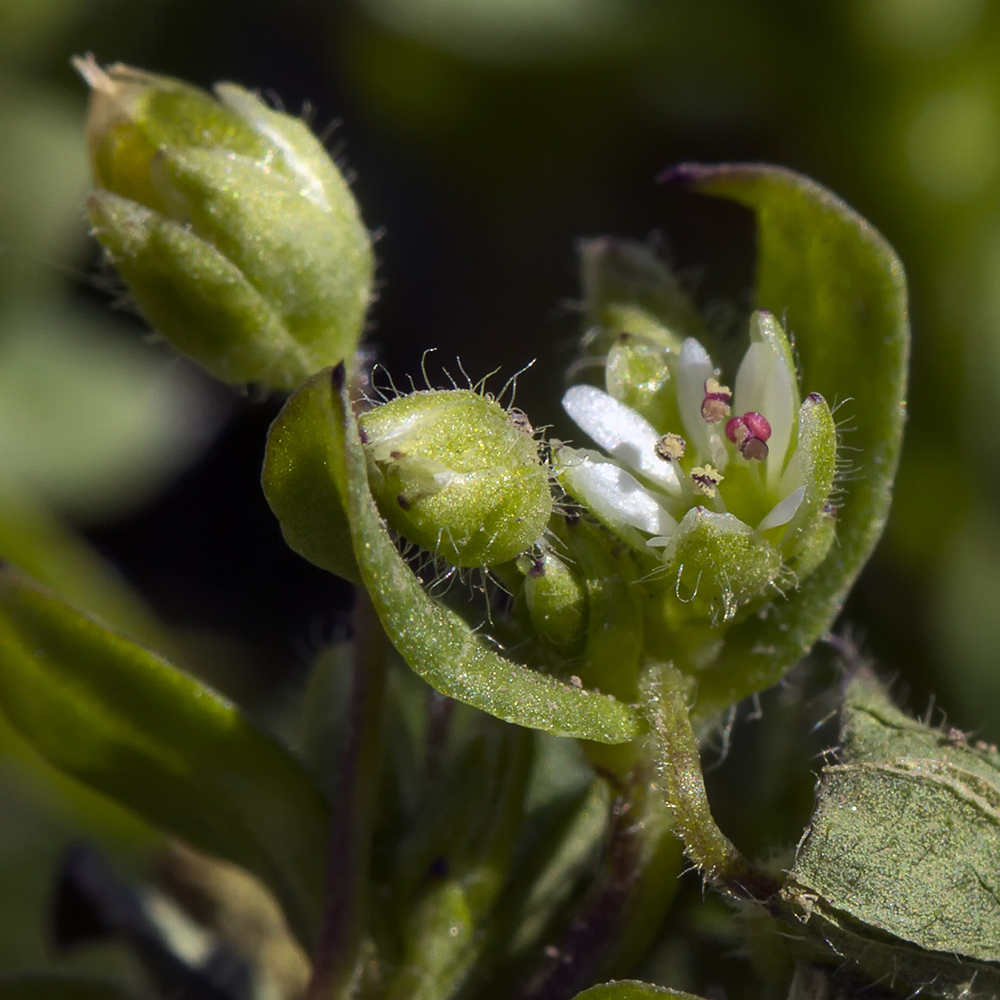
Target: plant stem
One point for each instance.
(347, 877)
(680, 780)
(624, 907)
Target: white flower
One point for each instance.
(748, 464)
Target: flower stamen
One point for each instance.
(705, 479)
(670, 447)
(750, 433)
(716, 404)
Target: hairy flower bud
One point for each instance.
(235, 232)
(455, 473)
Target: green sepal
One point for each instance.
(916, 902)
(809, 535)
(304, 479)
(433, 640)
(195, 297)
(632, 989)
(123, 721)
(717, 563)
(133, 114)
(843, 292)
(311, 265)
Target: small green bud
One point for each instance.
(641, 373)
(628, 289)
(556, 599)
(234, 230)
(455, 473)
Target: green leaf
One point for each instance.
(842, 291)
(917, 900)
(125, 722)
(434, 641)
(632, 989)
(303, 480)
(47, 549)
(45, 986)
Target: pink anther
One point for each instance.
(750, 433)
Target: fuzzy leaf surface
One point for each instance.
(899, 867)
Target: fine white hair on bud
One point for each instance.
(455, 473)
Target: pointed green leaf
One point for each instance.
(125, 722)
(435, 642)
(842, 291)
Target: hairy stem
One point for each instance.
(680, 780)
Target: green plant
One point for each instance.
(513, 822)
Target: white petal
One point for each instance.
(783, 511)
(621, 432)
(765, 384)
(694, 369)
(614, 496)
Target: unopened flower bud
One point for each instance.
(235, 232)
(455, 473)
(556, 599)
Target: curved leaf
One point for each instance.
(125, 722)
(303, 481)
(842, 290)
(435, 642)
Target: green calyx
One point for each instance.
(455, 473)
(235, 232)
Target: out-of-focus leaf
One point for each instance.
(45, 986)
(89, 421)
(128, 724)
(899, 870)
(632, 989)
(470, 829)
(47, 549)
(435, 642)
(842, 291)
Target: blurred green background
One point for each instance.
(485, 137)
